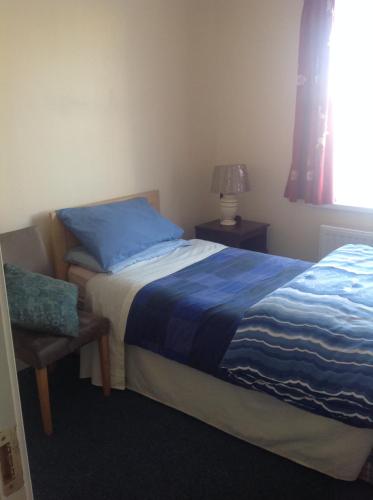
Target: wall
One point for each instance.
(95, 102)
(101, 98)
(254, 84)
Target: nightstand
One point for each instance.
(245, 234)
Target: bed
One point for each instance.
(324, 444)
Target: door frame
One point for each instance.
(10, 399)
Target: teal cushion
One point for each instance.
(40, 303)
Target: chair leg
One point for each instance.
(45, 407)
(103, 345)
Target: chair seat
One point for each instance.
(40, 350)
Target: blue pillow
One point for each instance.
(114, 232)
(40, 303)
(80, 257)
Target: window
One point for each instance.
(351, 91)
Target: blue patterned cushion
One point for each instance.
(40, 303)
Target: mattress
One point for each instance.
(314, 441)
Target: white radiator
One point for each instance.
(334, 237)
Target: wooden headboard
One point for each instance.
(63, 239)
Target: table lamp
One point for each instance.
(229, 180)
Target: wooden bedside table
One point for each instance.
(245, 234)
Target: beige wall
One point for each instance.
(95, 102)
(253, 84)
(100, 98)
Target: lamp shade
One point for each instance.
(230, 179)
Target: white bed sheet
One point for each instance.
(111, 295)
(317, 442)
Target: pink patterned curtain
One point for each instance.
(311, 173)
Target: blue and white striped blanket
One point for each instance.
(191, 316)
(310, 342)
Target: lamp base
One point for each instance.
(228, 222)
(228, 207)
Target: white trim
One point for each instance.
(5, 330)
(340, 208)
(349, 208)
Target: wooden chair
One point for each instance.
(26, 249)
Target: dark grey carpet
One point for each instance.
(129, 447)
